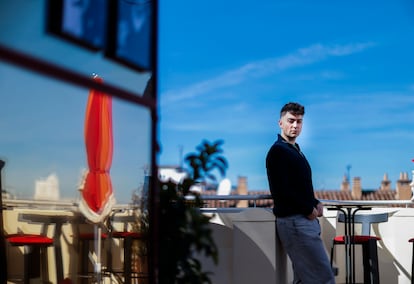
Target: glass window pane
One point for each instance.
(43, 133)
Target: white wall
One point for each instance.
(248, 252)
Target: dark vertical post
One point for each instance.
(3, 260)
(373, 261)
(127, 259)
(154, 193)
(412, 266)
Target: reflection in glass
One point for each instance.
(134, 32)
(45, 136)
(85, 20)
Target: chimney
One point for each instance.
(385, 183)
(356, 188)
(345, 184)
(403, 187)
(242, 190)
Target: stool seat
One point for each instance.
(358, 239)
(31, 242)
(28, 239)
(133, 235)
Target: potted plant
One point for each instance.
(184, 230)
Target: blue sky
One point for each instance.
(225, 70)
(227, 67)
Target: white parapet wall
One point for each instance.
(249, 252)
(247, 245)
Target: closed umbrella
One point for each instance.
(97, 197)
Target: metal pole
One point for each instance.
(98, 265)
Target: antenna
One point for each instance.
(146, 169)
(348, 175)
(180, 153)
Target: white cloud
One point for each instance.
(266, 67)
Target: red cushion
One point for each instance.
(358, 239)
(28, 239)
(91, 236)
(133, 235)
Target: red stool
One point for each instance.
(32, 243)
(84, 241)
(368, 242)
(127, 237)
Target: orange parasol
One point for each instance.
(97, 196)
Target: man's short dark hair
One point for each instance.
(295, 108)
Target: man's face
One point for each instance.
(291, 126)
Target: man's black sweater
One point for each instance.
(290, 180)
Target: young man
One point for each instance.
(295, 206)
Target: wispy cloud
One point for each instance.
(301, 57)
(360, 112)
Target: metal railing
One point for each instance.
(73, 205)
(237, 197)
(70, 205)
(327, 202)
(378, 203)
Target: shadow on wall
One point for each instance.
(242, 258)
(222, 272)
(390, 268)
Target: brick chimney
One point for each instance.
(385, 183)
(345, 184)
(242, 190)
(403, 187)
(356, 188)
